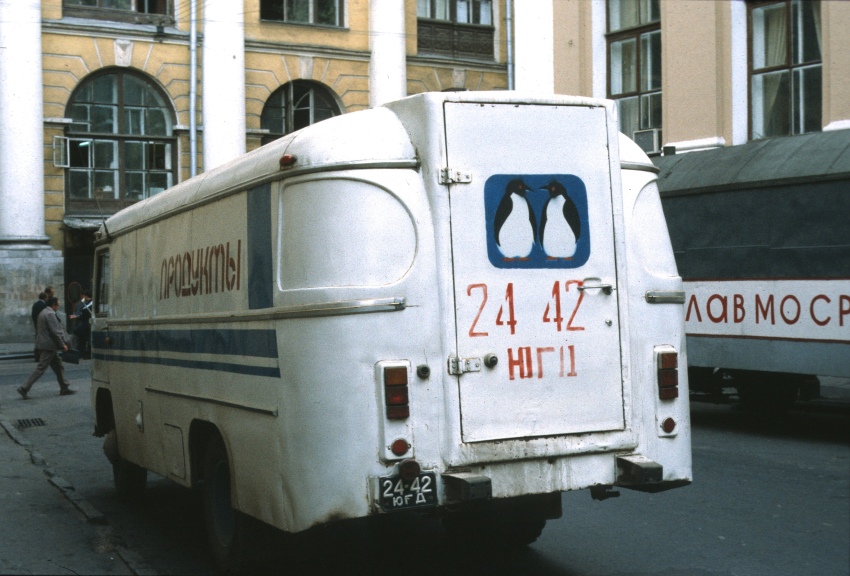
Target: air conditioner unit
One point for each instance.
(648, 140)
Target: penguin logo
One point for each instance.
(515, 226)
(560, 225)
(534, 221)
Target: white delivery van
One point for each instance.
(458, 302)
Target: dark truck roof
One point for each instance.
(772, 208)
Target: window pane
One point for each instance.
(80, 116)
(770, 36)
(807, 31)
(105, 154)
(155, 122)
(134, 91)
(133, 120)
(326, 12)
(650, 111)
(103, 119)
(629, 115)
(159, 156)
(134, 155)
(116, 4)
(81, 2)
(271, 9)
(157, 182)
(104, 89)
(135, 185)
(771, 105)
(152, 6)
(808, 97)
(297, 11)
(484, 12)
(80, 153)
(423, 8)
(650, 71)
(105, 185)
(462, 11)
(78, 185)
(623, 66)
(650, 11)
(441, 9)
(623, 14)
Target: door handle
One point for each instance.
(596, 284)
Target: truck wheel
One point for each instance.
(130, 479)
(227, 529)
(770, 395)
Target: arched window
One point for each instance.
(295, 105)
(121, 147)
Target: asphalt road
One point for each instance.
(769, 498)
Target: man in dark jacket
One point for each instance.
(49, 341)
(41, 303)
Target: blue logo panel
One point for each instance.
(536, 221)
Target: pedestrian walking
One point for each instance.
(49, 341)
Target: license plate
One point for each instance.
(398, 494)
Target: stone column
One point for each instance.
(388, 63)
(21, 124)
(223, 82)
(27, 262)
(534, 41)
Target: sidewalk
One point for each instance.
(41, 529)
(15, 350)
(45, 526)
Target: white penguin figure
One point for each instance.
(560, 225)
(515, 226)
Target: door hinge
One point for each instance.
(458, 366)
(450, 176)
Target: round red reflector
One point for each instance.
(668, 425)
(400, 447)
(287, 160)
(409, 469)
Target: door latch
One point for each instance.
(458, 366)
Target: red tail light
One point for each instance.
(395, 392)
(668, 375)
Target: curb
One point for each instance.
(131, 559)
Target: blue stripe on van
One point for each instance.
(233, 343)
(260, 281)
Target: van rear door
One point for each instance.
(533, 249)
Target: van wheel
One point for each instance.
(227, 530)
(130, 479)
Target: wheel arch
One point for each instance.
(200, 433)
(104, 413)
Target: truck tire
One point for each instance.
(768, 394)
(227, 529)
(130, 479)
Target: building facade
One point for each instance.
(694, 75)
(107, 102)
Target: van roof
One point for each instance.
(368, 138)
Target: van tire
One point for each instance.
(228, 531)
(130, 479)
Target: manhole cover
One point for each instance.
(30, 422)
